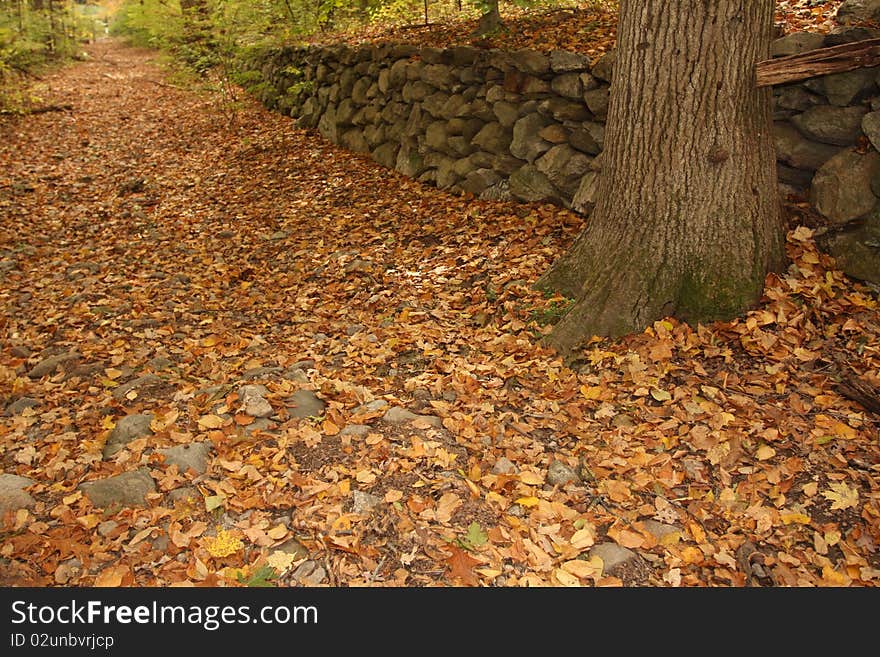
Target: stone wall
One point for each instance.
(529, 126)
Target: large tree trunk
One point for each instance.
(687, 221)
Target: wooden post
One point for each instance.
(822, 61)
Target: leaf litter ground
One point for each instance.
(156, 256)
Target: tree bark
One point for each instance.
(687, 221)
(490, 22)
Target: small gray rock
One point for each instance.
(194, 455)
(186, 494)
(503, 466)
(559, 474)
(358, 430)
(50, 364)
(142, 385)
(612, 555)
(294, 547)
(21, 404)
(12, 494)
(363, 503)
(305, 403)
(127, 489)
(129, 428)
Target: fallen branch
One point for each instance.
(822, 61)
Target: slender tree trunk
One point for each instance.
(687, 221)
(490, 21)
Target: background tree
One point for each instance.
(687, 221)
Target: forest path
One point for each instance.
(232, 351)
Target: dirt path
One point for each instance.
(404, 426)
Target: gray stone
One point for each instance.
(796, 97)
(21, 404)
(559, 474)
(842, 88)
(399, 415)
(858, 10)
(143, 386)
(796, 43)
(327, 125)
(437, 75)
(357, 430)
(436, 136)
(564, 167)
(363, 503)
(659, 529)
(503, 466)
(386, 154)
(526, 143)
(476, 182)
(530, 61)
(798, 151)
(12, 494)
(507, 113)
(129, 428)
(253, 402)
(185, 494)
(584, 199)
(604, 67)
(856, 251)
(841, 189)
(563, 61)
(597, 101)
(554, 133)
(127, 489)
(530, 185)
(409, 162)
(588, 139)
(355, 141)
(493, 138)
(564, 110)
(871, 127)
(848, 34)
(568, 85)
(193, 455)
(434, 104)
(294, 547)
(305, 403)
(613, 556)
(50, 364)
(831, 125)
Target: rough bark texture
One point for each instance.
(687, 222)
(490, 22)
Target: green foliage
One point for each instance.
(261, 578)
(33, 35)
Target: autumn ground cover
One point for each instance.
(159, 253)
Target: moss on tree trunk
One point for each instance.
(687, 221)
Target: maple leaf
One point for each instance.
(224, 544)
(842, 496)
(461, 566)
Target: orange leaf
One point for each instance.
(242, 419)
(112, 576)
(461, 566)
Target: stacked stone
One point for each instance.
(524, 125)
(827, 135)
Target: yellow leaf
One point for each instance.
(591, 392)
(280, 560)
(691, 554)
(224, 544)
(583, 538)
(584, 568)
(528, 501)
(660, 395)
(565, 578)
(211, 421)
(214, 502)
(765, 452)
(277, 532)
(111, 576)
(112, 373)
(531, 478)
(795, 518)
(73, 497)
(842, 496)
(393, 495)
